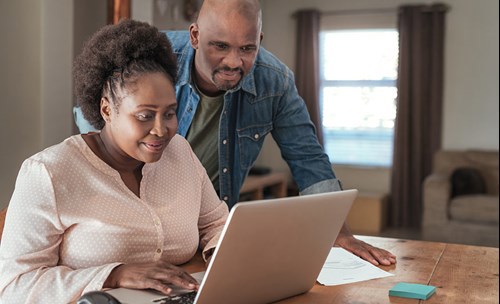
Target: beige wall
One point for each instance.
(471, 96)
(39, 36)
(56, 43)
(38, 43)
(471, 75)
(20, 87)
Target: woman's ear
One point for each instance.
(106, 109)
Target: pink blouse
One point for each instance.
(71, 220)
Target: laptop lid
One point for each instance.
(273, 249)
(268, 250)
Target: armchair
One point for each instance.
(456, 212)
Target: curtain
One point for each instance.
(417, 132)
(307, 64)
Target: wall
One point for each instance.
(169, 15)
(471, 96)
(56, 33)
(471, 82)
(143, 10)
(20, 84)
(41, 39)
(36, 99)
(88, 17)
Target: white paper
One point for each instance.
(342, 267)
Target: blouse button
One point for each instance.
(256, 136)
(226, 198)
(224, 142)
(224, 170)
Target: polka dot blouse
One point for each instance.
(71, 220)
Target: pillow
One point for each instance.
(466, 181)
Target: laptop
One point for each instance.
(268, 250)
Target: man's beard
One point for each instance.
(225, 85)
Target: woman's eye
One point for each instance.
(170, 115)
(144, 116)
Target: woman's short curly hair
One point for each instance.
(113, 59)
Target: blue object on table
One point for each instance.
(414, 291)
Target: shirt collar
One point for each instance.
(185, 61)
(248, 83)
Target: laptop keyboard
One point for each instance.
(186, 298)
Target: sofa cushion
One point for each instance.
(475, 208)
(466, 181)
(486, 161)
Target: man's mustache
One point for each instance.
(228, 69)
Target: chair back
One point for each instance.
(3, 212)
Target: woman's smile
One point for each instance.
(156, 146)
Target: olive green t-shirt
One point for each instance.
(203, 134)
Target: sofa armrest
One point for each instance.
(436, 197)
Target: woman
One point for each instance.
(119, 207)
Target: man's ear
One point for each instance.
(193, 35)
(106, 109)
(261, 36)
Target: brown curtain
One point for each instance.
(419, 108)
(307, 64)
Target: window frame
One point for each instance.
(365, 21)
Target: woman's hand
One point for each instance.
(157, 275)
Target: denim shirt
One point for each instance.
(265, 102)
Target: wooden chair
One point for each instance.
(3, 212)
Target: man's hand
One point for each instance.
(367, 252)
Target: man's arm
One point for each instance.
(311, 167)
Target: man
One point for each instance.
(231, 93)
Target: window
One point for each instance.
(358, 95)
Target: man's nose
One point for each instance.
(233, 59)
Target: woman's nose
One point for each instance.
(159, 128)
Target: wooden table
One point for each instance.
(461, 273)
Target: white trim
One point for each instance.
(359, 20)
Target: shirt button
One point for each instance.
(158, 250)
(256, 136)
(224, 142)
(226, 198)
(157, 223)
(224, 170)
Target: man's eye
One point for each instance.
(221, 46)
(248, 49)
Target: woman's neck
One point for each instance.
(102, 144)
